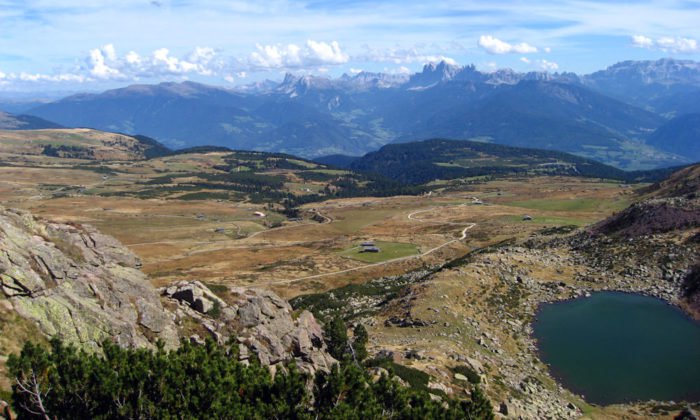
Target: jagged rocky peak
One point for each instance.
(443, 68)
(434, 73)
(366, 79)
(299, 84)
(663, 71)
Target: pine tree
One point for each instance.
(337, 340)
(359, 342)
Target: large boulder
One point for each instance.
(194, 294)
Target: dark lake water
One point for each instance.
(618, 347)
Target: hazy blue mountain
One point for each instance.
(681, 135)
(651, 84)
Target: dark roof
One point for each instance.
(371, 249)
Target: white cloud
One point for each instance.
(38, 77)
(494, 45)
(98, 63)
(327, 53)
(525, 60)
(642, 41)
(105, 64)
(355, 71)
(666, 43)
(292, 56)
(683, 45)
(403, 56)
(548, 65)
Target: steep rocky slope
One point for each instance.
(670, 205)
(72, 282)
(78, 284)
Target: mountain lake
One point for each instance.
(617, 347)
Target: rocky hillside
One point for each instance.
(72, 282)
(670, 205)
(682, 183)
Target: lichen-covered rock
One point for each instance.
(78, 284)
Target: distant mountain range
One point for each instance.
(611, 115)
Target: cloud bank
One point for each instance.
(292, 56)
(667, 44)
(494, 45)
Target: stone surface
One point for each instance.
(193, 293)
(78, 284)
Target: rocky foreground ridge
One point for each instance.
(75, 283)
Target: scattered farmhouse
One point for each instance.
(371, 249)
(369, 246)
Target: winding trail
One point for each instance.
(410, 217)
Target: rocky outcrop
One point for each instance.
(84, 287)
(263, 324)
(78, 284)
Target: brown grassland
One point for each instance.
(222, 241)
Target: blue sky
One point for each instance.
(73, 45)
